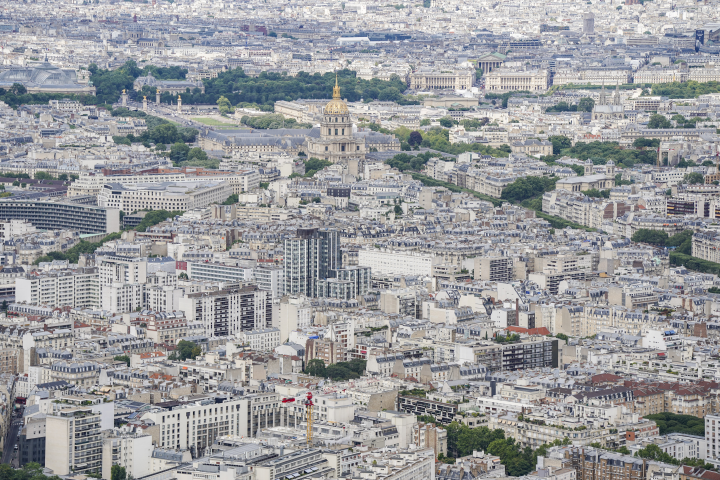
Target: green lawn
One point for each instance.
(214, 123)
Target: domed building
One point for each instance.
(334, 140)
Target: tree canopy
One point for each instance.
(528, 187)
(336, 371)
(272, 121)
(185, 350)
(673, 423)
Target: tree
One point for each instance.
(560, 142)
(224, 105)
(18, 89)
(586, 104)
(653, 452)
(562, 336)
(693, 178)
(646, 235)
(659, 121)
(643, 142)
(43, 176)
(4, 306)
(447, 122)
(594, 192)
(117, 473)
(187, 350)
(316, 367)
(179, 152)
(122, 358)
(672, 423)
(398, 210)
(527, 187)
(425, 122)
(415, 138)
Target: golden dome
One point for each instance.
(336, 106)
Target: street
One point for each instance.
(10, 454)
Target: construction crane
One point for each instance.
(308, 411)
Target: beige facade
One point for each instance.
(442, 80)
(587, 182)
(504, 80)
(429, 436)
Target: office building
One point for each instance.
(172, 197)
(62, 215)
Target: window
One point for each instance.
(342, 148)
(336, 131)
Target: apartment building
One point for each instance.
(261, 340)
(271, 279)
(75, 445)
(75, 288)
(591, 464)
(494, 269)
(428, 435)
(166, 327)
(163, 298)
(324, 349)
(311, 256)
(231, 311)
(196, 424)
(122, 282)
(705, 245)
(443, 412)
(347, 283)
(82, 374)
(131, 451)
(396, 262)
(512, 356)
(712, 438)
